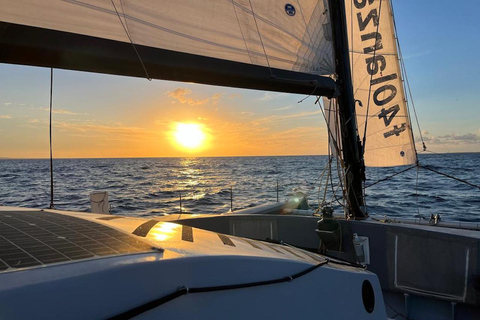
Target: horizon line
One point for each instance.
(175, 157)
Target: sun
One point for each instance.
(189, 136)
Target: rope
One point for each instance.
(311, 94)
(129, 37)
(339, 162)
(451, 177)
(390, 177)
(337, 148)
(185, 290)
(320, 186)
(100, 203)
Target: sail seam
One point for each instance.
(130, 38)
(213, 43)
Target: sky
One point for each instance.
(98, 116)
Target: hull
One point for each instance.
(162, 269)
(424, 271)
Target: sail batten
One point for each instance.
(281, 47)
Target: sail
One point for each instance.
(332, 118)
(377, 84)
(258, 44)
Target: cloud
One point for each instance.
(418, 54)
(5, 117)
(215, 98)
(7, 104)
(61, 111)
(269, 96)
(279, 118)
(34, 121)
(469, 138)
(465, 138)
(180, 94)
(234, 96)
(111, 131)
(283, 108)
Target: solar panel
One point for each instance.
(32, 238)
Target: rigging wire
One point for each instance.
(390, 177)
(341, 177)
(125, 27)
(345, 198)
(52, 206)
(311, 42)
(241, 31)
(330, 134)
(451, 177)
(320, 187)
(328, 177)
(261, 41)
(416, 191)
(351, 39)
(311, 94)
(404, 69)
(339, 162)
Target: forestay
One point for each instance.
(377, 84)
(275, 35)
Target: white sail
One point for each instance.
(274, 34)
(377, 84)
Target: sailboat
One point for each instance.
(260, 262)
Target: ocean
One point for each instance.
(152, 186)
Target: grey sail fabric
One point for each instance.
(332, 118)
(293, 37)
(377, 84)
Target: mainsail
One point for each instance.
(382, 113)
(257, 44)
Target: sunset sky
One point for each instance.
(112, 116)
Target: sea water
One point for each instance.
(153, 186)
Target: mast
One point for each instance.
(352, 148)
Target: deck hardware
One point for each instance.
(434, 219)
(407, 311)
(231, 199)
(180, 202)
(277, 190)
